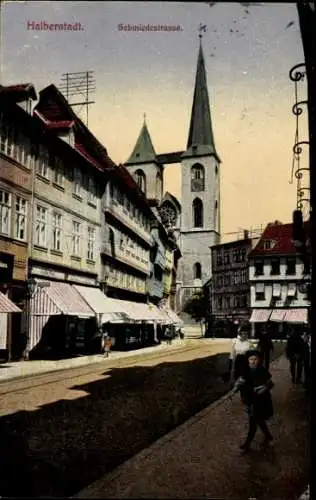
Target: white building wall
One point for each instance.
(283, 279)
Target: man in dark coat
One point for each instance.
(254, 388)
(295, 352)
(265, 346)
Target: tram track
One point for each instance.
(31, 382)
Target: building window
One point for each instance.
(219, 258)
(275, 267)
(140, 179)
(258, 268)
(77, 182)
(197, 178)
(57, 231)
(216, 169)
(197, 271)
(58, 177)
(41, 226)
(197, 207)
(20, 218)
(75, 238)
(92, 191)
(5, 212)
(260, 292)
(42, 163)
(7, 139)
(226, 258)
(91, 243)
(290, 266)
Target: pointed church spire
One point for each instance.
(143, 151)
(201, 138)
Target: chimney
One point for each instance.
(246, 234)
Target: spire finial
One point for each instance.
(144, 118)
(202, 29)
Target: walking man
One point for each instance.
(254, 389)
(295, 351)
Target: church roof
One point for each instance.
(201, 138)
(143, 151)
(170, 197)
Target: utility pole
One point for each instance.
(79, 84)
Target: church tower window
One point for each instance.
(197, 178)
(197, 207)
(140, 179)
(197, 271)
(158, 185)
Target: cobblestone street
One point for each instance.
(64, 430)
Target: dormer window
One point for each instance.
(268, 244)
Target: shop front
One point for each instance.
(281, 321)
(7, 310)
(57, 322)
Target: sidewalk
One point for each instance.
(19, 369)
(201, 458)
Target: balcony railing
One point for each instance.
(127, 257)
(124, 217)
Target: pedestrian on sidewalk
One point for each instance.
(265, 346)
(238, 360)
(255, 388)
(306, 359)
(295, 351)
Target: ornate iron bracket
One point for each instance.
(301, 173)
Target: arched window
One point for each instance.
(197, 271)
(158, 185)
(216, 169)
(197, 178)
(168, 214)
(140, 179)
(197, 207)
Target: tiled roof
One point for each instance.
(18, 89)
(280, 238)
(81, 149)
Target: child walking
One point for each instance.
(255, 388)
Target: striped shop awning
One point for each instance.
(260, 315)
(59, 298)
(278, 315)
(296, 315)
(7, 306)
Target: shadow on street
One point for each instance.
(62, 447)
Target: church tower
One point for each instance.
(200, 190)
(144, 167)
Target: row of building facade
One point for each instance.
(258, 281)
(68, 214)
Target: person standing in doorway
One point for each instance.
(254, 387)
(265, 346)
